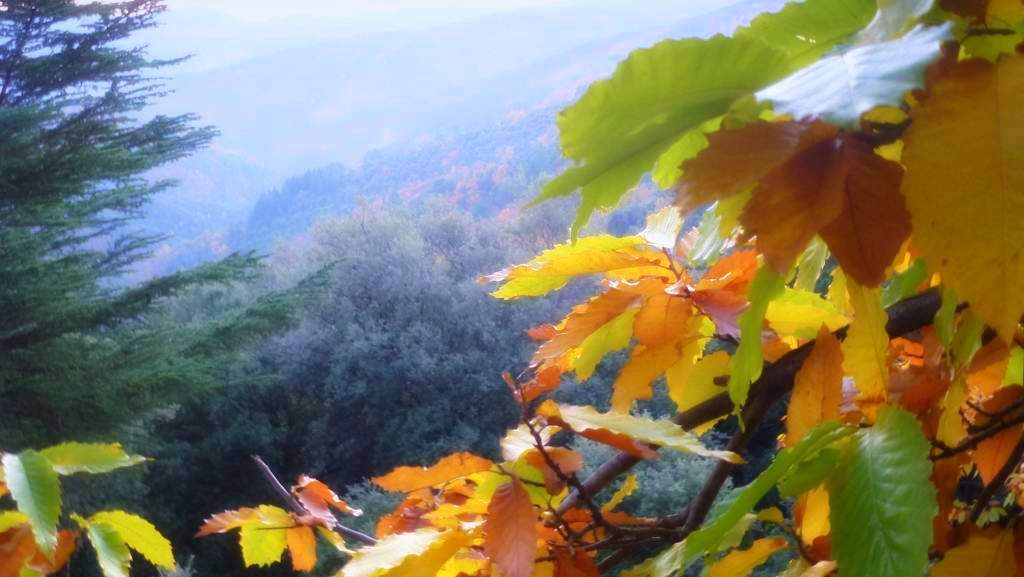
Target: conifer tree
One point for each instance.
(79, 352)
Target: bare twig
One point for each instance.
(298, 509)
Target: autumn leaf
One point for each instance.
(661, 319)
(510, 531)
(622, 430)
(992, 453)
(568, 462)
(738, 159)
(817, 388)
(16, 547)
(138, 534)
(302, 548)
(408, 479)
(628, 487)
(555, 267)
(706, 379)
(413, 554)
(800, 314)
(748, 362)
(965, 185)
(986, 555)
(721, 293)
(578, 565)
(520, 440)
(583, 321)
(40, 563)
(741, 563)
(316, 497)
(866, 348)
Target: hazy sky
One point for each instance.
(265, 10)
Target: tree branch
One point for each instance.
(1011, 463)
(776, 380)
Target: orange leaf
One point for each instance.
(645, 364)
(226, 521)
(984, 555)
(721, 293)
(315, 496)
(583, 320)
(3, 489)
(510, 531)
(817, 388)
(407, 517)
(738, 159)
(945, 477)
(992, 453)
(16, 547)
(662, 319)
(874, 221)
(65, 547)
(302, 548)
(988, 368)
(567, 461)
(579, 566)
(408, 479)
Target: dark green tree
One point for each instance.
(80, 352)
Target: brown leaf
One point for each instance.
(302, 548)
(408, 479)
(817, 388)
(510, 531)
(738, 159)
(874, 222)
(567, 461)
(793, 202)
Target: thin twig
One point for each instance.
(297, 507)
(997, 482)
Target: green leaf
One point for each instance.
(894, 17)
(140, 535)
(809, 474)
(809, 267)
(807, 30)
(882, 500)
(669, 562)
(945, 318)
(709, 538)
(71, 458)
(839, 88)
(111, 551)
(667, 169)
(36, 490)
(748, 361)
(904, 284)
(623, 124)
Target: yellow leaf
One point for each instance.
(690, 387)
(140, 535)
(951, 425)
(263, 538)
(801, 313)
(817, 389)
(981, 556)
(302, 548)
(866, 346)
(10, 519)
(645, 365)
(413, 554)
(617, 429)
(628, 487)
(815, 522)
(614, 335)
(965, 185)
(742, 563)
(554, 268)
